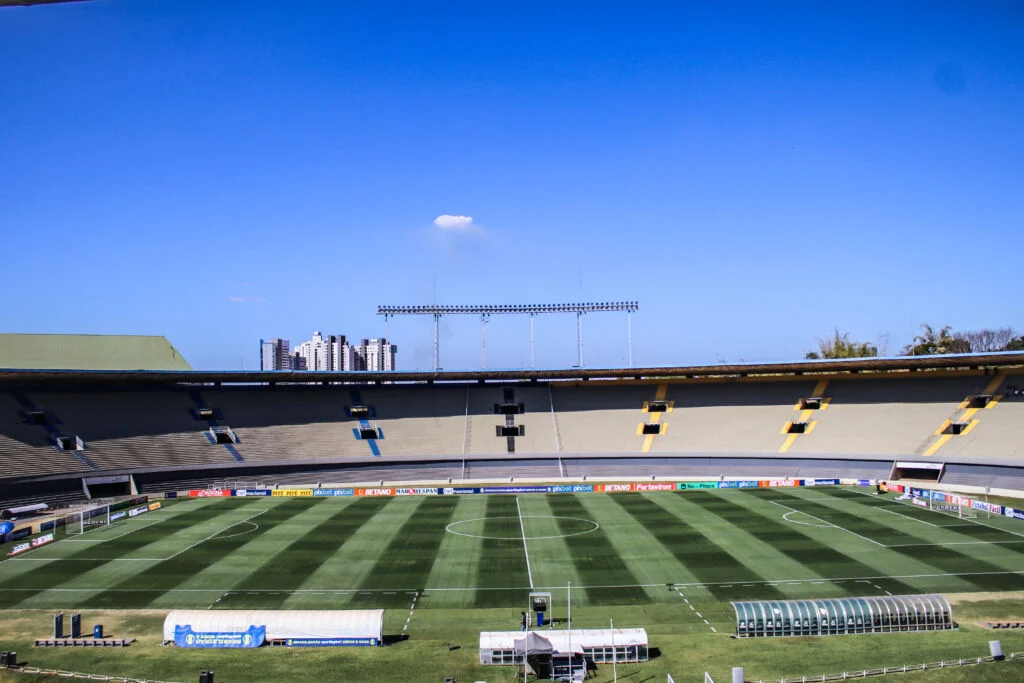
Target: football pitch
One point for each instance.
(693, 548)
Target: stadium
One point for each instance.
(670, 523)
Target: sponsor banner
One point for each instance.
(114, 516)
(23, 532)
(778, 483)
(253, 636)
(821, 482)
(46, 526)
(135, 512)
(19, 549)
(919, 501)
(514, 489)
(918, 493)
(979, 505)
(330, 642)
(611, 488)
(300, 493)
(689, 485)
(416, 492)
(251, 493)
(209, 493)
(728, 484)
(571, 488)
(737, 484)
(1015, 513)
(864, 482)
(938, 495)
(458, 491)
(154, 506)
(334, 492)
(655, 486)
(42, 540)
(995, 509)
(375, 492)
(171, 494)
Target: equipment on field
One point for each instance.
(540, 604)
(58, 625)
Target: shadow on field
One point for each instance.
(391, 640)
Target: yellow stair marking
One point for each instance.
(990, 389)
(805, 416)
(659, 395)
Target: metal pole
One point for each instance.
(385, 325)
(532, 316)
(579, 336)
(629, 335)
(615, 670)
(483, 341)
(437, 354)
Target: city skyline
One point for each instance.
(328, 353)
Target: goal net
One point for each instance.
(83, 521)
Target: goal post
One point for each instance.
(84, 521)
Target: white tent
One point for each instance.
(301, 626)
(506, 647)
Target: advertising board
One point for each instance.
(458, 491)
(611, 488)
(209, 493)
(777, 483)
(253, 636)
(135, 512)
(375, 492)
(171, 494)
(690, 485)
(330, 642)
(114, 516)
(1015, 513)
(416, 492)
(571, 488)
(821, 482)
(298, 493)
(42, 540)
(655, 486)
(154, 506)
(19, 549)
(330, 493)
(514, 489)
(919, 501)
(251, 493)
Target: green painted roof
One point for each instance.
(89, 352)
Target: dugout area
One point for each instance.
(841, 616)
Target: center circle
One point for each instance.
(570, 526)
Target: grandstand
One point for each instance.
(166, 425)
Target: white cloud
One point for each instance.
(449, 222)
(244, 299)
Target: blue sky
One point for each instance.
(754, 174)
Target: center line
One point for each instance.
(526, 552)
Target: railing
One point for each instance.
(885, 670)
(36, 671)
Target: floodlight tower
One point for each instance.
(532, 310)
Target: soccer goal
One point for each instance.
(83, 521)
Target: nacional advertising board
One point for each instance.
(330, 642)
(209, 493)
(456, 491)
(821, 482)
(330, 493)
(299, 493)
(1014, 512)
(251, 493)
(253, 636)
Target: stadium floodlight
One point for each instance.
(580, 309)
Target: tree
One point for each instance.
(930, 342)
(840, 346)
(984, 341)
(1015, 344)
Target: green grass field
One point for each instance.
(667, 562)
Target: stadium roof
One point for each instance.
(78, 352)
(901, 364)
